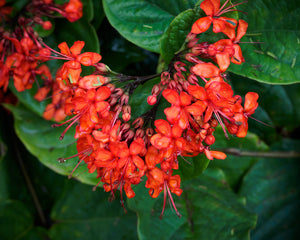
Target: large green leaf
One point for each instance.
(209, 211)
(272, 191)
(15, 220)
(234, 167)
(276, 60)
(43, 142)
(143, 22)
(83, 214)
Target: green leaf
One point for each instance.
(276, 60)
(143, 22)
(172, 40)
(209, 211)
(234, 167)
(272, 191)
(138, 100)
(42, 141)
(15, 220)
(98, 14)
(191, 167)
(81, 213)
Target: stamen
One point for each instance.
(260, 122)
(70, 176)
(94, 188)
(173, 203)
(164, 205)
(221, 123)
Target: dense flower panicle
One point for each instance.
(120, 149)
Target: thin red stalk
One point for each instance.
(173, 203)
(221, 123)
(80, 161)
(165, 198)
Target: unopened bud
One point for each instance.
(124, 127)
(165, 78)
(192, 78)
(140, 133)
(129, 135)
(102, 68)
(139, 122)
(210, 139)
(126, 113)
(149, 132)
(192, 58)
(124, 99)
(151, 100)
(47, 25)
(118, 92)
(155, 90)
(214, 123)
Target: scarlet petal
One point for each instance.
(171, 96)
(159, 141)
(218, 155)
(197, 108)
(64, 49)
(77, 47)
(241, 31)
(218, 25)
(210, 7)
(250, 102)
(223, 61)
(197, 92)
(102, 106)
(185, 99)
(102, 93)
(163, 127)
(206, 70)
(237, 57)
(89, 58)
(91, 81)
(172, 113)
(103, 155)
(137, 146)
(201, 25)
(176, 131)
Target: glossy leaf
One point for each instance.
(42, 141)
(15, 219)
(272, 191)
(83, 214)
(144, 22)
(209, 211)
(276, 60)
(234, 167)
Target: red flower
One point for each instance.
(213, 11)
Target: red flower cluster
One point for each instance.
(21, 54)
(123, 150)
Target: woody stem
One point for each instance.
(271, 154)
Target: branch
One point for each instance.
(272, 154)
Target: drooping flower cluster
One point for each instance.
(22, 55)
(123, 150)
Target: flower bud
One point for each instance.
(139, 122)
(151, 100)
